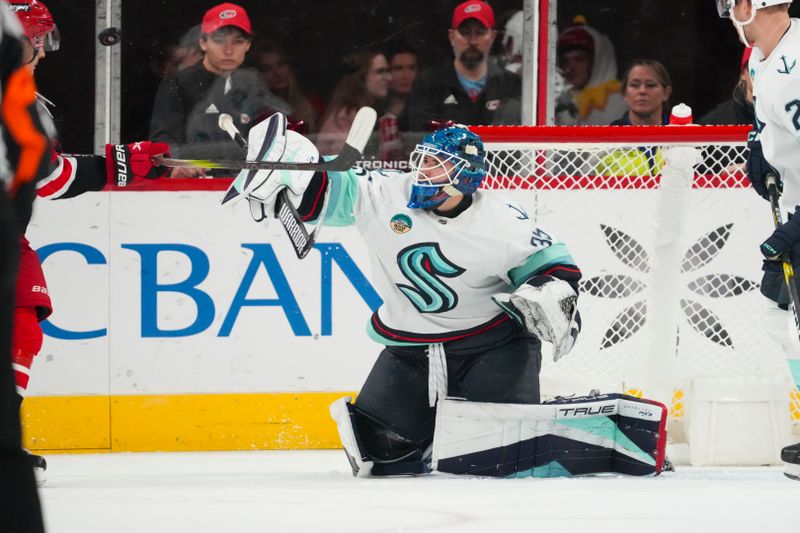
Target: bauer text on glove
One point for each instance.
(126, 162)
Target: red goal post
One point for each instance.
(669, 252)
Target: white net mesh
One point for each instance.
(606, 202)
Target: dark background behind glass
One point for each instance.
(66, 77)
(700, 50)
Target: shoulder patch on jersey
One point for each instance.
(401, 224)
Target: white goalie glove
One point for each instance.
(269, 140)
(268, 183)
(548, 308)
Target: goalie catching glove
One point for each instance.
(270, 140)
(547, 307)
(125, 162)
(268, 183)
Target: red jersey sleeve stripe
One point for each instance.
(60, 180)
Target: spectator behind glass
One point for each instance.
(512, 43)
(278, 73)
(646, 87)
(404, 67)
(739, 108)
(365, 84)
(188, 104)
(469, 89)
(589, 67)
(186, 53)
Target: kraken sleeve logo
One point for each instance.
(422, 264)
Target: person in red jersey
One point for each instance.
(67, 175)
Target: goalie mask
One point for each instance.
(37, 23)
(447, 162)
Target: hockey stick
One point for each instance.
(302, 241)
(788, 272)
(353, 148)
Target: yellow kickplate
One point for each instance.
(66, 423)
(186, 422)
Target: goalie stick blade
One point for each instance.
(361, 129)
(226, 124)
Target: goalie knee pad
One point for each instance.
(372, 448)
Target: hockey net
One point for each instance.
(670, 291)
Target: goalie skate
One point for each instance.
(790, 456)
(341, 412)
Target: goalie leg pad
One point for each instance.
(590, 435)
(342, 413)
(372, 448)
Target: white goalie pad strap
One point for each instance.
(437, 373)
(615, 433)
(340, 413)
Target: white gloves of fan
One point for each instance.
(548, 308)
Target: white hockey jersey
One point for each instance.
(437, 275)
(776, 87)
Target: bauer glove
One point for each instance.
(126, 162)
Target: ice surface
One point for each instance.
(314, 491)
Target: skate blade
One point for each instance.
(792, 471)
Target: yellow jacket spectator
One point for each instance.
(641, 161)
(646, 89)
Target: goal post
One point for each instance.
(665, 228)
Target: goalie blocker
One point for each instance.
(612, 433)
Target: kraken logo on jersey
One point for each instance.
(422, 264)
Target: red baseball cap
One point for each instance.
(575, 37)
(226, 14)
(473, 9)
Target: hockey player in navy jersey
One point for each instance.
(774, 147)
(67, 176)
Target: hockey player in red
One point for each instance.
(67, 176)
(25, 146)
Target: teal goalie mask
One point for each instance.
(447, 162)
